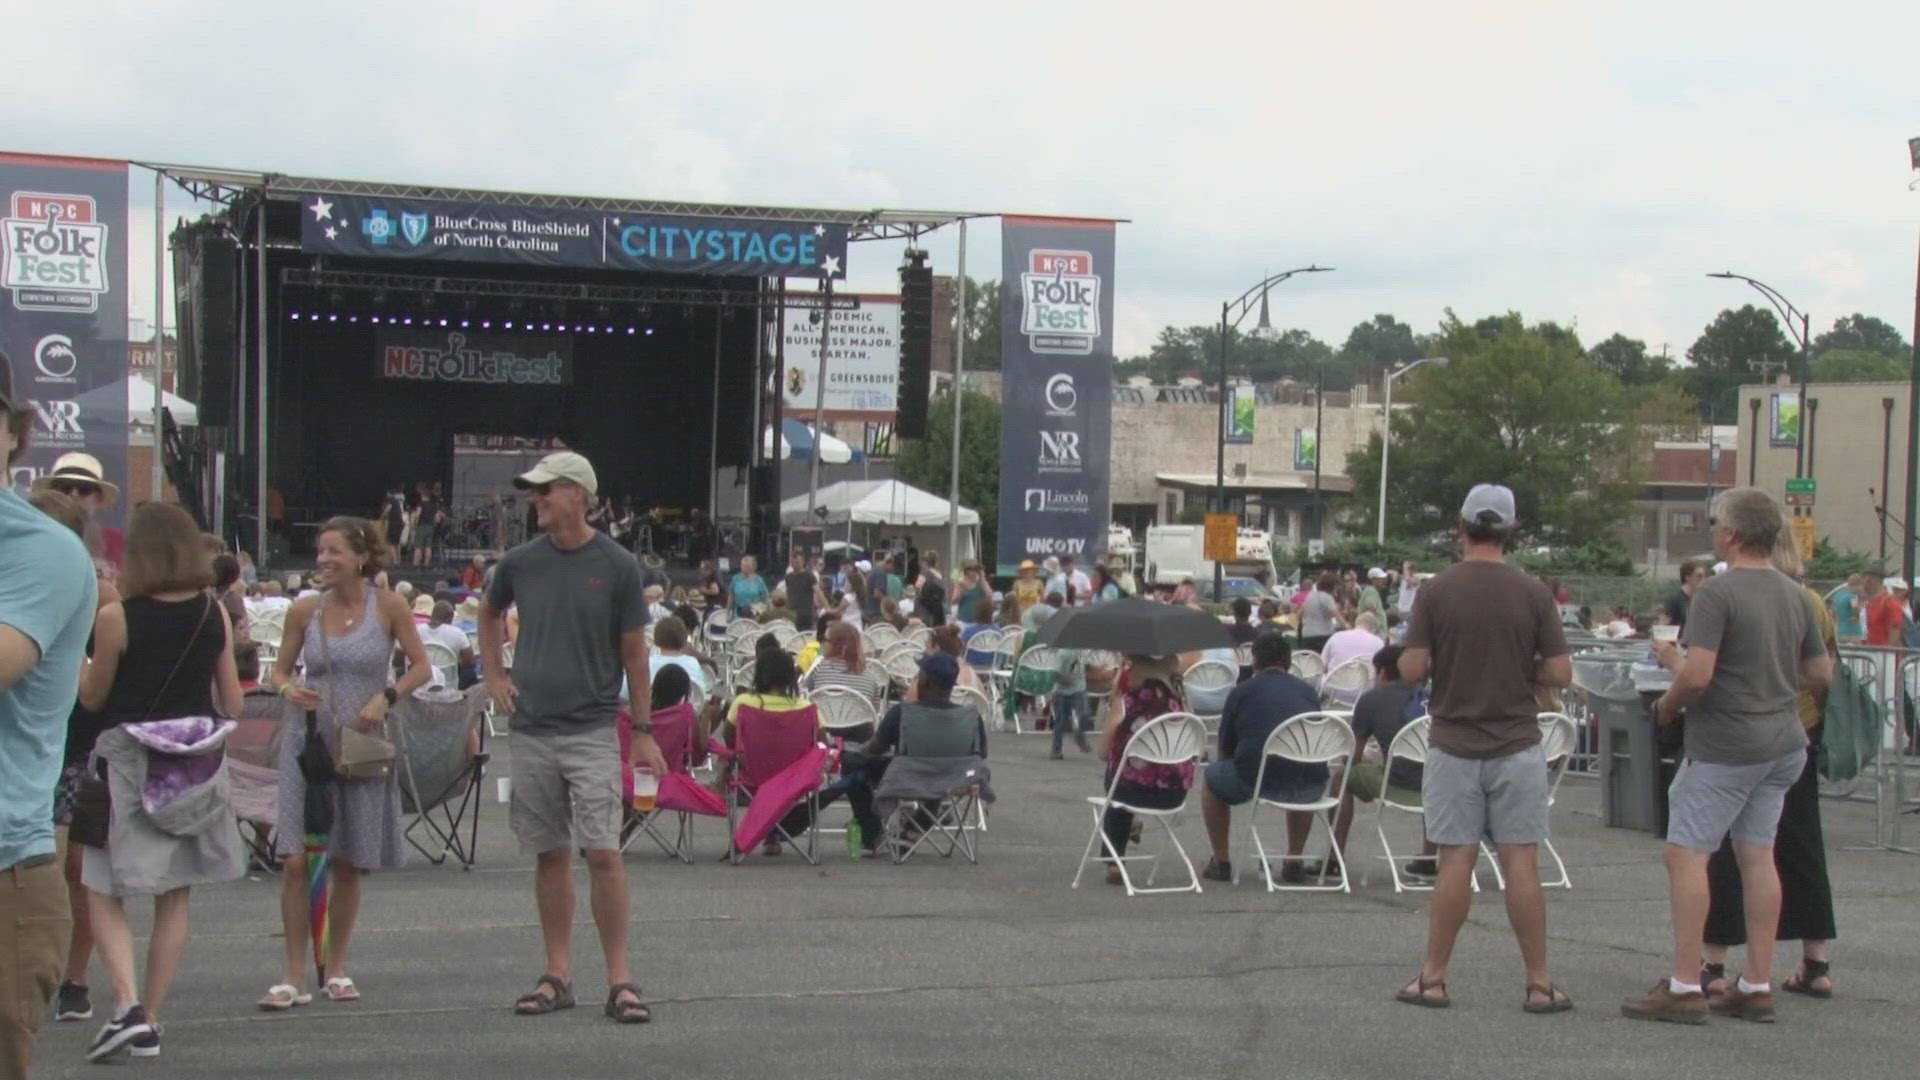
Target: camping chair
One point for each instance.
(982, 704)
(932, 785)
(1034, 676)
(1308, 666)
(1557, 737)
(1310, 739)
(1217, 677)
(445, 664)
(778, 764)
(1410, 745)
(1342, 686)
(678, 793)
(442, 748)
(253, 770)
(1173, 739)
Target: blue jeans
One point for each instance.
(1070, 713)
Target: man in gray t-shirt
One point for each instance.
(582, 623)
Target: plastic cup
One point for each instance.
(1666, 633)
(645, 787)
(504, 787)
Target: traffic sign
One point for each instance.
(1803, 535)
(1800, 491)
(1222, 540)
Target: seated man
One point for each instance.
(1379, 715)
(440, 629)
(932, 727)
(1257, 706)
(1363, 641)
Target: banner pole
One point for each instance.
(713, 430)
(959, 367)
(261, 521)
(819, 399)
(159, 327)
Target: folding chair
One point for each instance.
(982, 650)
(1342, 686)
(981, 703)
(253, 770)
(933, 785)
(678, 793)
(267, 628)
(1173, 739)
(442, 748)
(877, 637)
(902, 669)
(919, 635)
(714, 626)
(1308, 666)
(903, 647)
(1100, 690)
(1034, 675)
(777, 764)
(1005, 655)
(1215, 679)
(1410, 746)
(1557, 741)
(1308, 739)
(445, 664)
(742, 629)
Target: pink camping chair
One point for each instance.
(778, 764)
(679, 793)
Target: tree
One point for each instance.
(1863, 332)
(1627, 359)
(926, 463)
(1523, 405)
(1380, 341)
(1858, 365)
(1194, 351)
(982, 321)
(1739, 346)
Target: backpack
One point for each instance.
(1850, 726)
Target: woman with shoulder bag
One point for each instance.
(345, 638)
(163, 653)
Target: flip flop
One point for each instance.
(283, 997)
(1416, 994)
(539, 1004)
(341, 988)
(1557, 1001)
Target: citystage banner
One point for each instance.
(482, 359)
(1057, 377)
(863, 358)
(369, 227)
(63, 316)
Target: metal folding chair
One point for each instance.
(1308, 739)
(1410, 745)
(1037, 666)
(1557, 740)
(1214, 677)
(1342, 686)
(1308, 666)
(1172, 739)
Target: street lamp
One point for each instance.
(1789, 313)
(1228, 320)
(1386, 436)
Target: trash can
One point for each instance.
(1619, 688)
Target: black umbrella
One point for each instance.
(1135, 627)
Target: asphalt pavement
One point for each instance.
(862, 969)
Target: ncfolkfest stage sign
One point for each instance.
(63, 306)
(370, 227)
(484, 359)
(1057, 377)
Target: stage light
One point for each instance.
(546, 326)
(630, 329)
(464, 324)
(409, 320)
(333, 316)
(486, 324)
(295, 316)
(508, 324)
(443, 322)
(593, 329)
(353, 318)
(649, 331)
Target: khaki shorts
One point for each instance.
(566, 790)
(34, 923)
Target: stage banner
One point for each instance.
(461, 356)
(1240, 403)
(1057, 388)
(63, 322)
(863, 358)
(382, 228)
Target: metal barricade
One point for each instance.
(1893, 675)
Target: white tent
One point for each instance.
(131, 401)
(891, 506)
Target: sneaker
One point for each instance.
(1217, 871)
(1661, 1003)
(118, 1033)
(1327, 866)
(1423, 868)
(146, 1046)
(73, 1003)
(1740, 1005)
(1293, 874)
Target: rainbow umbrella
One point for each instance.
(316, 844)
(316, 768)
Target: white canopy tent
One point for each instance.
(130, 400)
(892, 508)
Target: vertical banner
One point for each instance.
(63, 308)
(1240, 403)
(1783, 428)
(1306, 449)
(1056, 363)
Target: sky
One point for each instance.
(1585, 163)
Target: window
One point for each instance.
(1684, 521)
(1173, 507)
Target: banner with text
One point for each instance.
(63, 321)
(1056, 364)
(371, 227)
(863, 359)
(1240, 405)
(459, 356)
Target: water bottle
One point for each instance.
(854, 847)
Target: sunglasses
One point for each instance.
(74, 489)
(548, 488)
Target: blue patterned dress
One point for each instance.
(366, 819)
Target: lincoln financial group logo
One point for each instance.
(1054, 501)
(1060, 302)
(54, 253)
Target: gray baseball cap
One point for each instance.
(1490, 505)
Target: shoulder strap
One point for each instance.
(206, 607)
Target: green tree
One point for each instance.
(982, 321)
(926, 463)
(1380, 341)
(1864, 332)
(1627, 359)
(1522, 405)
(1858, 365)
(1741, 345)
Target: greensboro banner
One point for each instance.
(63, 318)
(1056, 370)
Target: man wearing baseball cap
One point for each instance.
(582, 623)
(1489, 634)
(47, 599)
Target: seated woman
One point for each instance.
(844, 664)
(810, 655)
(1148, 688)
(982, 620)
(946, 641)
(776, 688)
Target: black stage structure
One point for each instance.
(668, 376)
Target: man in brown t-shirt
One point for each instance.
(1490, 636)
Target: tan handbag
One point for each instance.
(357, 755)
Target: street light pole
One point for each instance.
(1789, 313)
(1386, 437)
(1229, 320)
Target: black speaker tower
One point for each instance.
(916, 346)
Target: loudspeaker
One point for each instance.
(763, 488)
(916, 346)
(207, 311)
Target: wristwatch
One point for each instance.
(644, 729)
(392, 695)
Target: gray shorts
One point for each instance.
(1501, 799)
(1707, 802)
(566, 790)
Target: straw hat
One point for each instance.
(79, 467)
(423, 605)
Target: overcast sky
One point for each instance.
(1585, 162)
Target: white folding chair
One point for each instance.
(1005, 654)
(740, 672)
(1308, 666)
(1315, 738)
(919, 635)
(784, 633)
(878, 636)
(445, 664)
(1557, 741)
(267, 629)
(1217, 678)
(843, 709)
(1410, 746)
(903, 647)
(1173, 739)
(739, 629)
(1040, 658)
(984, 643)
(1342, 686)
(902, 669)
(1243, 655)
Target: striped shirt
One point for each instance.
(833, 672)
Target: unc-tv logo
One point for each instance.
(1060, 302)
(53, 253)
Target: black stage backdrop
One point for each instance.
(639, 406)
